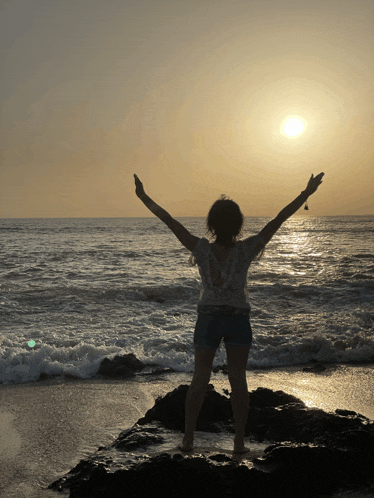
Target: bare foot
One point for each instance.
(186, 444)
(241, 449)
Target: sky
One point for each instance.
(190, 95)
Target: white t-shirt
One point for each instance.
(225, 282)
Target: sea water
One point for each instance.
(74, 291)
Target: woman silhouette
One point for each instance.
(223, 308)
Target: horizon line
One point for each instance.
(154, 217)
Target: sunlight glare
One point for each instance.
(293, 126)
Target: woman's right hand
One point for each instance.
(314, 183)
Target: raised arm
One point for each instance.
(151, 205)
(183, 235)
(269, 230)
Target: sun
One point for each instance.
(293, 126)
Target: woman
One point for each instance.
(223, 308)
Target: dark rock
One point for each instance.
(136, 437)
(221, 368)
(170, 410)
(317, 469)
(358, 444)
(317, 368)
(315, 453)
(120, 366)
(263, 397)
(175, 476)
(349, 413)
(45, 376)
(71, 376)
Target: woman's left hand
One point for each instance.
(139, 187)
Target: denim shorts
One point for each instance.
(213, 323)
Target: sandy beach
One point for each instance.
(47, 427)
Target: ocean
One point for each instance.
(74, 291)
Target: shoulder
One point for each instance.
(254, 243)
(200, 243)
(201, 247)
(198, 251)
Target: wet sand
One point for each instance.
(47, 427)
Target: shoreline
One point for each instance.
(46, 427)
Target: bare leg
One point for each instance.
(196, 392)
(237, 357)
(240, 407)
(194, 401)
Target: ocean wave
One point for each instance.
(82, 360)
(362, 276)
(98, 296)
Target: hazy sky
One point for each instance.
(189, 95)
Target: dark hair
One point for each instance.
(225, 220)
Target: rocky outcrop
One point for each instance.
(127, 366)
(120, 366)
(308, 453)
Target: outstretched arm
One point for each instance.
(183, 235)
(152, 206)
(269, 230)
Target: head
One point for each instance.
(225, 220)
